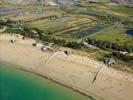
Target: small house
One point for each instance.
(110, 61)
(44, 48)
(38, 45)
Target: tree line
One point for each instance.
(40, 35)
(109, 45)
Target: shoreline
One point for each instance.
(74, 71)
(21, 68)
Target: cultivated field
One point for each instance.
(77, 22)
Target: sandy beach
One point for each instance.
(74, 71)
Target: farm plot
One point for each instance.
(9, 10)
(89, 31)
(115, 35)
(33, 14)
(61, 24)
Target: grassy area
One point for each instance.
(122, 9)
(115, 35)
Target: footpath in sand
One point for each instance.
(75, 71)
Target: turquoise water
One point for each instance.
(20, 85)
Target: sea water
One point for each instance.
(20, 85)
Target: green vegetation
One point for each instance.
(114, 35)
(109, 45)
(60, 25)
(123, 9)
(93, 12)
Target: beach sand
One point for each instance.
(74, 71)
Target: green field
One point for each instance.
(122, 10)
(115, 35)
